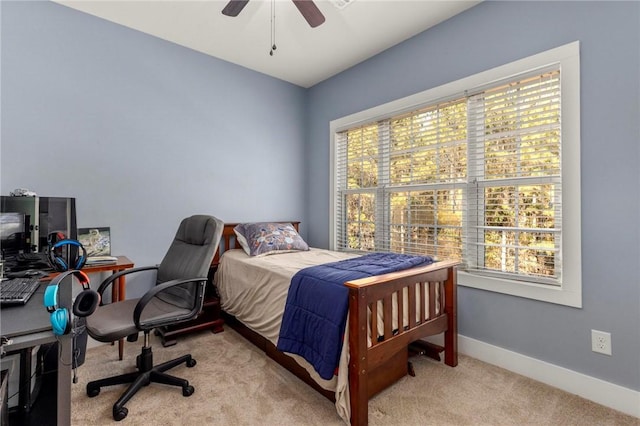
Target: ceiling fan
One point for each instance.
(307, 8)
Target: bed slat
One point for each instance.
(412, 306)
(400, 311)
(423, 301)
(387, 317)
(374, 323)
(432, 299)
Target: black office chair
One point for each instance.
(177, 296)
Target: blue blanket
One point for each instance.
(315, 314)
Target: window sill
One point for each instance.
(545, 293)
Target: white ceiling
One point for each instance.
(304, 55)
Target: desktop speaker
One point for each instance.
(76, 251)
(85, 304)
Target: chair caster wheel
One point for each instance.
(92, 391)
(120, 414)
(188, 391)
(191, 363)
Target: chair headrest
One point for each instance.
(196, 230)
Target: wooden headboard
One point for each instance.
(228, 240)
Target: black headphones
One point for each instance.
(85, 304)
(59, 264)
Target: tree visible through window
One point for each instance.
(475, 178)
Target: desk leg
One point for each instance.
(64, 381)
(24, 398)
(121, 296)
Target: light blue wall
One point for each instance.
(493, 34)
(141, 131)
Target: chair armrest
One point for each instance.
(144, 300)
(107, 282)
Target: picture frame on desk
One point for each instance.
(96, 240)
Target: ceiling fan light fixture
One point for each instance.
(307, 8)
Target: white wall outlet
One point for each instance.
(601, 342)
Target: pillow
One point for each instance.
(240, 239)
(264, 238)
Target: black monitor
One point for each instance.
(13, 234)
(45, 216)
(56, 215)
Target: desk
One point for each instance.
(29, 326)
(118, 292)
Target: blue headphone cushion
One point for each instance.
(62, 264)
(51, 297)
(59, 317)
(60, 322)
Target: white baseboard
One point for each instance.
(608, 394)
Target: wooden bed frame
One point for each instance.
(376, 367)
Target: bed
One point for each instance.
(253, 291)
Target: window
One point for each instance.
(485, 170)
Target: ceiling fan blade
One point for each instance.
(234, 7)
(310, 11)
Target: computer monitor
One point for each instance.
(56, 215)
(13, 233)
(45, 215)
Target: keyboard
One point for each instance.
(25, 261)
(18, 291)
(31, 257)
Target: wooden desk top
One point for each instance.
(121, 264)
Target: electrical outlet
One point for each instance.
(601, 342)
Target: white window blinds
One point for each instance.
(476, 177)
(515, 179)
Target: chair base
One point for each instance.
(146, 374)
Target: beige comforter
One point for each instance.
(254, 290)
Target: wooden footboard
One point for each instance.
(438, 281)
(377, 363)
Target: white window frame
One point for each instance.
(569, 292)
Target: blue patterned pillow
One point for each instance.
(261, 239)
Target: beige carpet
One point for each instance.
(238, 385)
